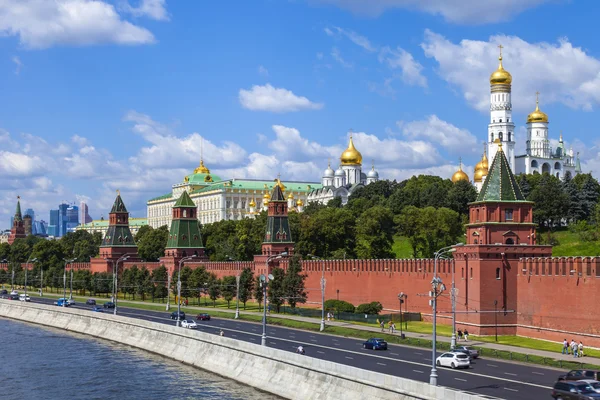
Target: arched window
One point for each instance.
(557, 166)
(475, 241)
(545, 168)
(534, 164)
(510, 241)
(500, 136)
(510, 136)
(498, 273)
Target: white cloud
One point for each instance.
(15, 165)
(269, 98)
(263, 71)
(356, 38)
(290, 145)
(560, 72)
(403, 60)
(442, 133)
(154, 9)
(457, 11)
(42, 23)
(18, 63)
(337, 56)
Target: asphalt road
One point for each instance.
(489, 377)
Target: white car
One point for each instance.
(594, 384)
(453, 360)
(189, 324)
(70, 302)
(24, 297)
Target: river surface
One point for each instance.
(46, 363)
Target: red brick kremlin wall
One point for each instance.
(549, 301)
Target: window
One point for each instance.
(498, 273)
(471, 273)
(508, 214)
(462, 273)
(509, 136)
(510, 241)
(500, 136)
(500, 119)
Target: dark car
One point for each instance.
(579, 374)
(109, 304)
(567, 390)
(468, 350)
(203, 317)
(375, 344)
(90, 302)
(181, 315)
(3, 291)
(13, 297)
(98, 309)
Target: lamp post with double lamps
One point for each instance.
(400, 301)
(453, 294)
(322, 327)
(26, 269)
(438, 288)
(116, 279)
(184, 259)
(264, 281)
(237, 289)
(67, 262)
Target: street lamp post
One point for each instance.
(264, 281)
(168, 291)
(322, 327)
(26, 269)
(237, 296)
(71, 287)
(401, 300)
(184, 259)
(64, 302)
(42, 281)
(438, 287)
(116, 279)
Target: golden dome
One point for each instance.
(460, 175)
(351, 156)
(265, 201)
(478, 177)
(291, 196)
(252, 203)
(537, 115)
(202, 169)
(484, 163)
(267, 196)
(500, 76)
(299, 203)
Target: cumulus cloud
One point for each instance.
(442, 133)
(279, 100)
(561, 72)
(15, 165)
(458, 11)
(41, 23)
(290, 145)
(410, 69)
(153, 9)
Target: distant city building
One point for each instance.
(54, 225)
(30, 212)
(101, 225)
(40, 228)
(4, 237)
(72, 218)
(27, 225)
(62, 219)
(84, 216)
(17, 231)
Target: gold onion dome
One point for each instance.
(500, 76)
(291, 196)
(460, 175)
(202, 169)
(537, 115)
(252, 203)
(299, 203)
(481, 169)
(267, 196)
(351, 156)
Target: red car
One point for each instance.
(203, 317)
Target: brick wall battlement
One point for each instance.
(560, 266)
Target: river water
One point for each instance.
(46, 363)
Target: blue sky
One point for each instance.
(107, 95)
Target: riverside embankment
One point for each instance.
(279, 372)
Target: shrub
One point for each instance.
(373, 307)
(339, 306)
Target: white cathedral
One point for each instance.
(539, 156)
(345, 180)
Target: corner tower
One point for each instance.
(184, 236)
(17, 231)
(118, 240)
(278, 236)
(501, 124)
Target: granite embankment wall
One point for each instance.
(282, 373)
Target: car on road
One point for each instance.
(24, 297)
(453, 360)
(13, 296)
(109, 304)
(594, 384)
(468, 350)
(71, 302)
(190, 324)
(90, 302)
(375, 344)
(62, 302)
(3, 291)
(203, 317)
(181, 315)
(97, 309)
(572, 390)
(579, 374)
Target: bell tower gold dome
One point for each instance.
(537, 115)
(460, 175)
(500, 76)
(351, 156)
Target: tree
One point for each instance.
(460, 195)
(144, 286)
(372, 308)
(144, 229)
(49, 254)
(246, 285)
(129, 280)
(229, 288)
(408, 225)
(339, 306)
(276, 288)
(575, 209)
(81, 245)
(214, 288)
(159, 278)
(19, 251)
(551, 202)
(420, 191)
(336, 202)
(293, 282)
(328, 229)
(590, 194)
(4, 251)
(258, 291)
(198, 280)
(152, 244)
(375, 233)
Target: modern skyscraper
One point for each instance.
(53, 226)
(30, 212)
(84, 216)
(62, 219)
(72, 218)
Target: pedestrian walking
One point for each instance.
(393, 327)
(382, 325)
(390, 326)
(574, 347)
(565, 349)
(466, 335)
(221, 333)
(580, 349)
(459, 334)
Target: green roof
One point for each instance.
(118, 206)
(258, 185)
(163, 197)
(500, 183)
(103, 223)
(18, 215)
(184, 200)
(202, 178)
(184, 233)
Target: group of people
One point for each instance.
(462, 335)
(575, 349)
(330, 316)
(391, 326)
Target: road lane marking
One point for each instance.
(537, 373)
(381, 364)
(272, 342)
(508, 373)
(395, 354)
(492, 365)
(349, 358)
(416, 352)
(416, 370)
(313, 340)
(512, 390)
(460, 379)
(320, 352)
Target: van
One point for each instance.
(24, 297)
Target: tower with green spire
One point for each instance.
(17, 230)
(118, 240)
(184, 236)
(278, 236)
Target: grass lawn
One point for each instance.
(401, 247)
(518, 341)
(571, 245)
